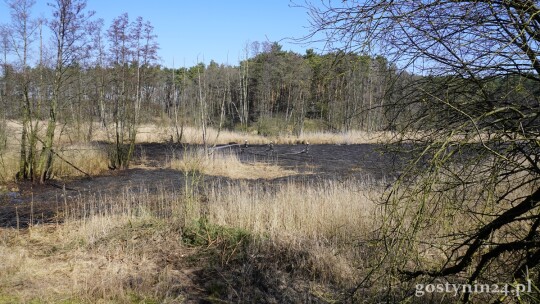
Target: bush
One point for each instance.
(203, 233)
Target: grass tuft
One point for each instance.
(228, 165)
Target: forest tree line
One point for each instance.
(334, 89)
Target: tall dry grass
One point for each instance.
(331, 210)
(129, 247)
(315, 226)
(9, 166)
(193, 135)
(74, 145)
(80, 160)
(228, 165)
(72, 160)
(75, 157)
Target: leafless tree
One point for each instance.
(133, 51)
(467, 105)
(68, 26)
(21, 33)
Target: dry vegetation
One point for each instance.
(71, 161)
(235, 240)
(219, 242)
(147, 247)
(161, 131)
(228, 165)
(154, 133)
(172, 246)
(84, 159)
(75, 146)
(330, 211)
(74, 155)
(8, 166)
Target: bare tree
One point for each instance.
(22, 33)
(244, 102)
(70, 40)
(133, 51)
(468, 97)
(120, 53)
(144, 48)
(100, 65)
(202, 93)
(4, 92)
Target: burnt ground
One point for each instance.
(363, 161)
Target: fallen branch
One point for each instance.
(69, 163)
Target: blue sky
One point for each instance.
(189, 31)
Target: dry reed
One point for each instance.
(331, 210)
(192, 135)
(111, 247)
(228, 165)
(79, 160)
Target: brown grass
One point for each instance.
(88, 158)
(331, 210)
(72, 145)
(162, 131)
(228, 165)
(64, 135)
(192, 135)
(57, 264)
(129, 248)
(8, 166)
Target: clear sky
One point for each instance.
(190, 31)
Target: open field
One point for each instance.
(160, 165)
(158, 133)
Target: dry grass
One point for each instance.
(88, 158)
(162, 132)
(191, 135)
(126, 249)
(53, 265)
(228, 165)
(129, 248)
(344, 138)
(315, 224)
(9, 166)
(72, 146)
(107, 251)
(224, 137)
(64, 135)
(329, 210)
